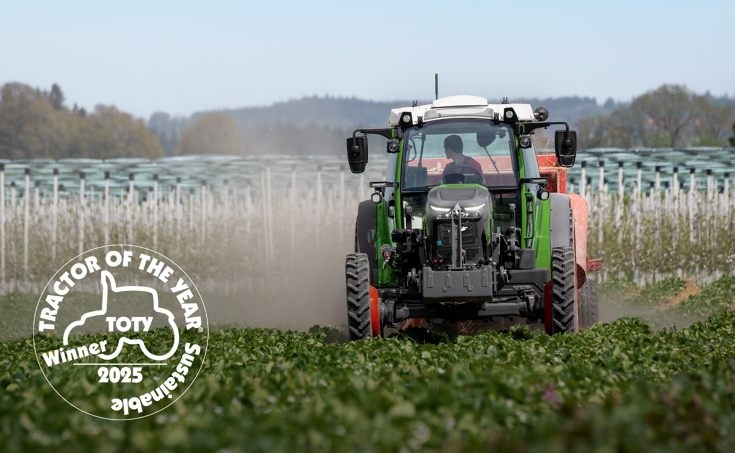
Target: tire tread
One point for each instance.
(357, 273)
(589, 313)
(564, 308)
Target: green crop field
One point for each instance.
(618, 386)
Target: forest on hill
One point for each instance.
(669, 116)
(37, 123)
(319, 125)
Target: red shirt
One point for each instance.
(466, 160)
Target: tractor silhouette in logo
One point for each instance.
(125, 324)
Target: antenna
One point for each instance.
(436, 85)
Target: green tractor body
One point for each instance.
(466, 226)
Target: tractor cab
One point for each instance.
(486, 158)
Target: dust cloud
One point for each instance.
(311, 293)
(614, 305)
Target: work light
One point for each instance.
(510, 115)
(406, 120)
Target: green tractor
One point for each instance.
(470, 225)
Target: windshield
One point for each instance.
(461, 151)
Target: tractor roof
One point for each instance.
(462, 106)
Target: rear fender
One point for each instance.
(580, 210)
(561, 230)
(564, 234)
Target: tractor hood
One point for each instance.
(472, 198)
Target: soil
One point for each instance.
(691, 289)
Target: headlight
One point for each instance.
(438, 209)
(474, 208)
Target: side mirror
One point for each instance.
(566, 147)
(485, 138)
(357, 153)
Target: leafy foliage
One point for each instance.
(614, 387)
(332, 334)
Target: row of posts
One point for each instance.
(586, 182)
(54, 206)
(153, 198)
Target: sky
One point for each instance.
(183, 56)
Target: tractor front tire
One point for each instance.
(589, 314)
(563, 290)
(357, 271)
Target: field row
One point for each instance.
(614, 387)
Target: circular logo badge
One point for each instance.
(120, 332)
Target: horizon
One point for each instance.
(69, 104)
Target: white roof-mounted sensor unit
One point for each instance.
(459, 101)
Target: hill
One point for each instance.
(319, 125)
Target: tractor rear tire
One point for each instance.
(563, 289)
(589, 314)
(357, 273)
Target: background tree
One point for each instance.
(710, 128)
(215, 133)
(26, 123)
(732, 139)
(108, 133)
(56, 97)
(666, 113)
(592, 132)
(670, 116)
(31, 128)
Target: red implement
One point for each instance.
(579, 208)
(415, 322)
(549, 168)
(374, 312)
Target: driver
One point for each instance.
(453, 149)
